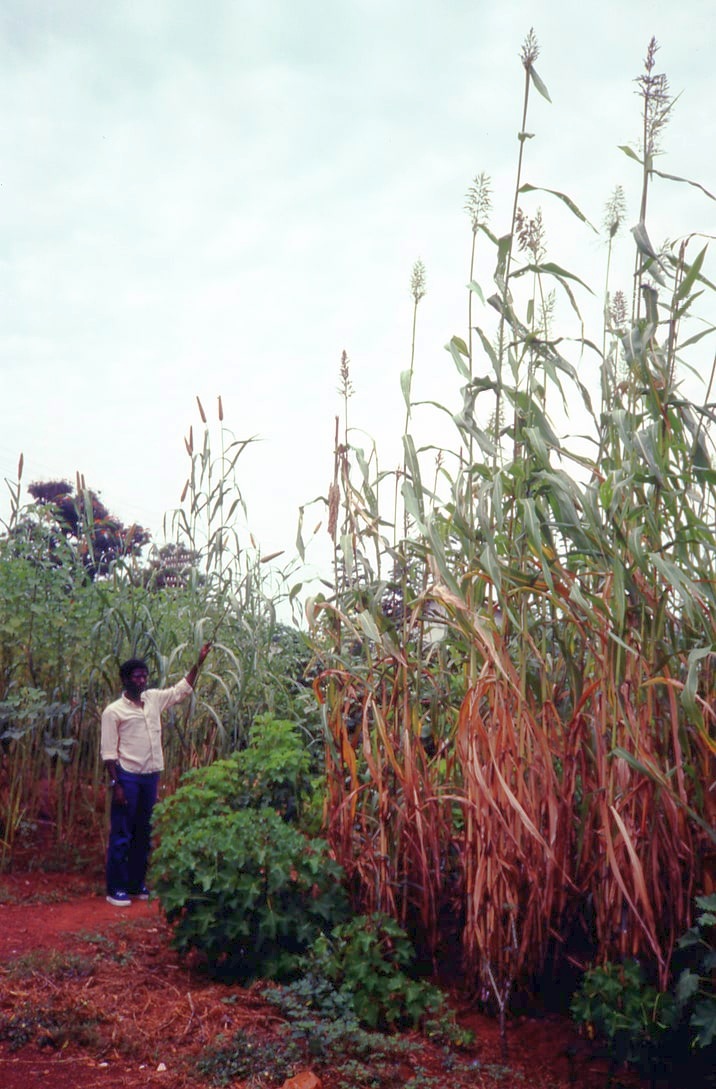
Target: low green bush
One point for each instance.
(655, 1030)
(246, 891)
(367, 962)
(616, 1004)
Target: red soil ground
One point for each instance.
(61, 944)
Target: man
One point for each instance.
(131, 748)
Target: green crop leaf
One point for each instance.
(630, 152)
(475, 288)
(527, 188)
(539, 85)
(458, 351)
(691, 276)
(406, 379)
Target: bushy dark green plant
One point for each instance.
(246, 891)
(216, 788)
(615, 1003)
(696, 986)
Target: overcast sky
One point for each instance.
(219, 197)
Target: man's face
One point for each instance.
(137, 683)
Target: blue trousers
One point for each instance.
(130, 832)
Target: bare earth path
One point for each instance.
(109, 1006)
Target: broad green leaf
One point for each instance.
(643, 242)
(491, 353)
(537, 445)
(438, 554)
(533, 412)
(411, 461)
(413, 504)
(691, 686)
(552, 269)
(687, 986)
(703, 1019)
(527, 188)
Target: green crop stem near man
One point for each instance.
(131, 746)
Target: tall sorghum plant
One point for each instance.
(521, 748)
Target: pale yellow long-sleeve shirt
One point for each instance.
(132, 735)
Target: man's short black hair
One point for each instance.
(127, 668)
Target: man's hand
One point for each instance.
(191, 675)
(118, 795)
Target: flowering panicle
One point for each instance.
(530, 49)
(658, 103)
(531, 234)
(614, 212)
(478, 201)
(417, 281)
(345, 388)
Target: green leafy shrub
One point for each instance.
(273, 772)
(615, 1003)
(246, 891)
(363, 966)
(275, 767)
(216, 788)
(696, 986)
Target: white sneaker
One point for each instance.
(119, 899)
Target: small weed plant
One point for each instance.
(353, 989)
(60, 967)
(245, 1056)
(50, 1025)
